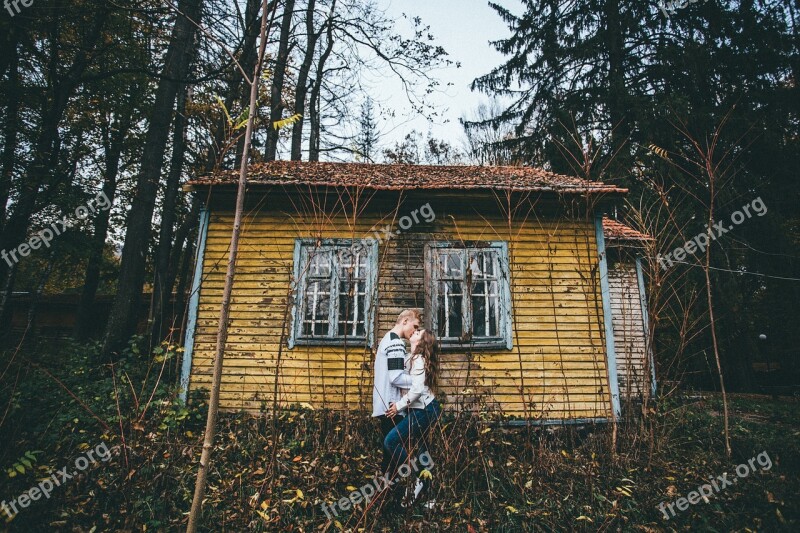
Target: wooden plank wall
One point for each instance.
(557, 368)
(629, 334)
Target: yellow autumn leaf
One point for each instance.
(224, 109)
(660, 152)
(351, 488)
(280, 124)
(487, 430)
(511, 509)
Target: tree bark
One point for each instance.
(276, 91)
(124, 312)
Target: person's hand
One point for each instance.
(392, 411)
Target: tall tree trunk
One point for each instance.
(316, 89)
(302, 81)
(238, 87)
(178, 269)
(10, 42)
(162, 287)
(5, 304)
(114, 143)
(222, 330)
(617, 101)
(184, 278)
(10, 140)
(124, 312)
(276, 92)
(11, 132)
(183, 233)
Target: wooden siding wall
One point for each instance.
(629, 334)
(557, 368)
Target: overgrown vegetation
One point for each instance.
(271, 473)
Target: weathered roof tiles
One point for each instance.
(408, 177)
(617, 231)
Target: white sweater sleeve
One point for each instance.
(402, 380)
(417, 384)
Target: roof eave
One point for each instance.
(195, 185)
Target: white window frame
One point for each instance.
(339, 248)
(504, 339)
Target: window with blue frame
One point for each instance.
(469, 298)
(335, 281)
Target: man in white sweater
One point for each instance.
(390, 374)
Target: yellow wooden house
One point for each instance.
(508, 265)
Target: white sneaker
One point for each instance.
(418, 488)
(411, 496)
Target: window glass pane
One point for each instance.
(478, 309)
(316, 302)
(450, 265)
(485, 298)
(319, 265)
(352, 295)
(449, 309)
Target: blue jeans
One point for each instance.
(410, 434)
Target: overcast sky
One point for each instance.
(464, 28)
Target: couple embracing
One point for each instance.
(403, 396)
